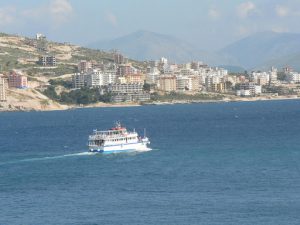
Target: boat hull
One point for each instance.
(120, 148)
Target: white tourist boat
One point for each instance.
(117, 139)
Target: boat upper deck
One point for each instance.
(113, 133)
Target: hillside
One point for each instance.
(21, 52)
(263, 50)
(17, 52)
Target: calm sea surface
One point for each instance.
(229, 163)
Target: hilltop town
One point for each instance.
(37, 74)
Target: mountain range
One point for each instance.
(258, 51)
(145, 45)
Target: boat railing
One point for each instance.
(105, 136)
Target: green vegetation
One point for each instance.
(279, 89)
(146, 87)
(80, 96)
(9, 58)
(4, 34)
(281, 76)
(53, 72)
(174, 96)
(32, 78)
(51, 93)
(92, 54)
(44, 103)
(65, 83)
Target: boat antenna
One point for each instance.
(118, 123)
(144, 132)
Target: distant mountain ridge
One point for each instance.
(263, 49)
(258, 51)
(146, 45)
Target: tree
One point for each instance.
(146, 87)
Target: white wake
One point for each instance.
(48, 158)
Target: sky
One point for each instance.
(207, 24)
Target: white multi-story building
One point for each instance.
(40, 36)
(251, 87)
(220, 72)
(152, 75)
(273, 75)
(109, 77)
(126, 88)
(256, 77)
(211, 80)
(79, 80)
(187, 83)
(94, 79)
(293, 77)
(183, 83)
(164, 60)
(3, 86)
(167, 83)
(243, 92)
(170, 69)
(187, 72)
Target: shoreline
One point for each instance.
(225, 100)
(157, 103)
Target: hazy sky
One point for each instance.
(205, 23)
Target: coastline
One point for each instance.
(57, 107)
(237, 99)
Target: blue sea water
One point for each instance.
(228, 163)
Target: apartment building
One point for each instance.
(3, 86)
(167, 83)
(250, 89)
(135, 78)
(126, 88)
(79, 80)
(16, 80)
(47, 60)
(84, 66)
(133, 97)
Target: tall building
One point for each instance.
(182, 83)
(84, 66)
(3, 86)
(47, 60)
(40, 36)
(167, 83)
(194, 83)
(41, 43)
(152, 75)
(94, 79)
(109, 76)
(293, 77)
(135, 78)
(210, 82)
(273, 75)
(16, 80)
(125, 69)
(79, 80)
(218, 87)
(250, 88)
(127, 88)
(119, 58)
